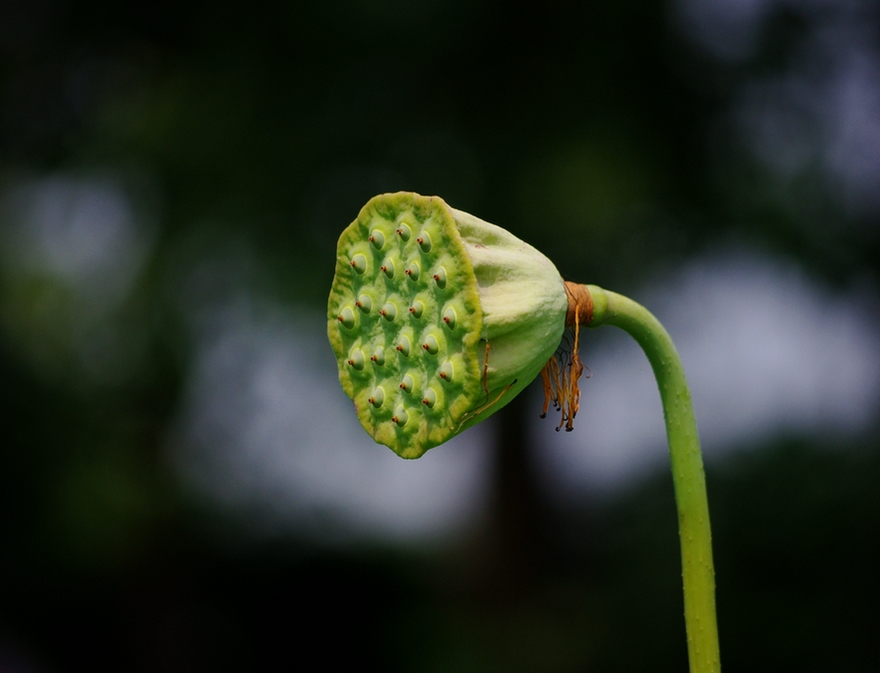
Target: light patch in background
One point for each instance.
(727, 29)
(80, 230)
(72, 248)
(823, 112)
(767, 351)
(266, 429)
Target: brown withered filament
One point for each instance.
(487, 404)
(562, 373)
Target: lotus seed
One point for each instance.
(424, 242)
(440, 278)
(407, 384)
(404, 232)
(364, 303)
(388, 268)
(377, 238)
(446, 371)
(377, 398)
(416, 309)
(347, 318)
(388, 311)
(430, 398)
(413, 271)
(359, 263)
(400, 417)
(403, 346)
(356, 360)
(449, 317)
(378, 356)
(431, 345)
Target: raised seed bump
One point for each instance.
(403, 346)
(446, 371)
(449, 317)
(388, 268)
(416, 309)
(430, 398)
(388, 311)
(407, 384)
(440, 278)
(413, 271)
(346, 317)
(400, 416)
(431, 345)
(404, 232)
(378, 397)
(378, 356)
(364, 303)
(377, 238)
(359, 263)
(424, 242)
(356, 361)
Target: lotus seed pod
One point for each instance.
(461, 316)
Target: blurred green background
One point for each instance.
(183, 486)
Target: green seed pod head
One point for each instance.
(489, 313)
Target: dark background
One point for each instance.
(611, 135)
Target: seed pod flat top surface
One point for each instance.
(404, 320)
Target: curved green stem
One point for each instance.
(695, 533)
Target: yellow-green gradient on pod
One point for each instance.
(437, 319)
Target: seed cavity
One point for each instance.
(356, 361)
(449, 317)
(446, 371)
(404, 232)
(359, 263)
(378, 356)
(403, 346)
(347, 318)
(440, 278)
(364, 303)
(417, 309)
(413, 271)
(377, 238)
(400, 416)
(431, 345)
(388, 311)
(377, 399)
(424, 242)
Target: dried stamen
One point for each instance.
(562, 373)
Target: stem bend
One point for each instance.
(610, 308)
